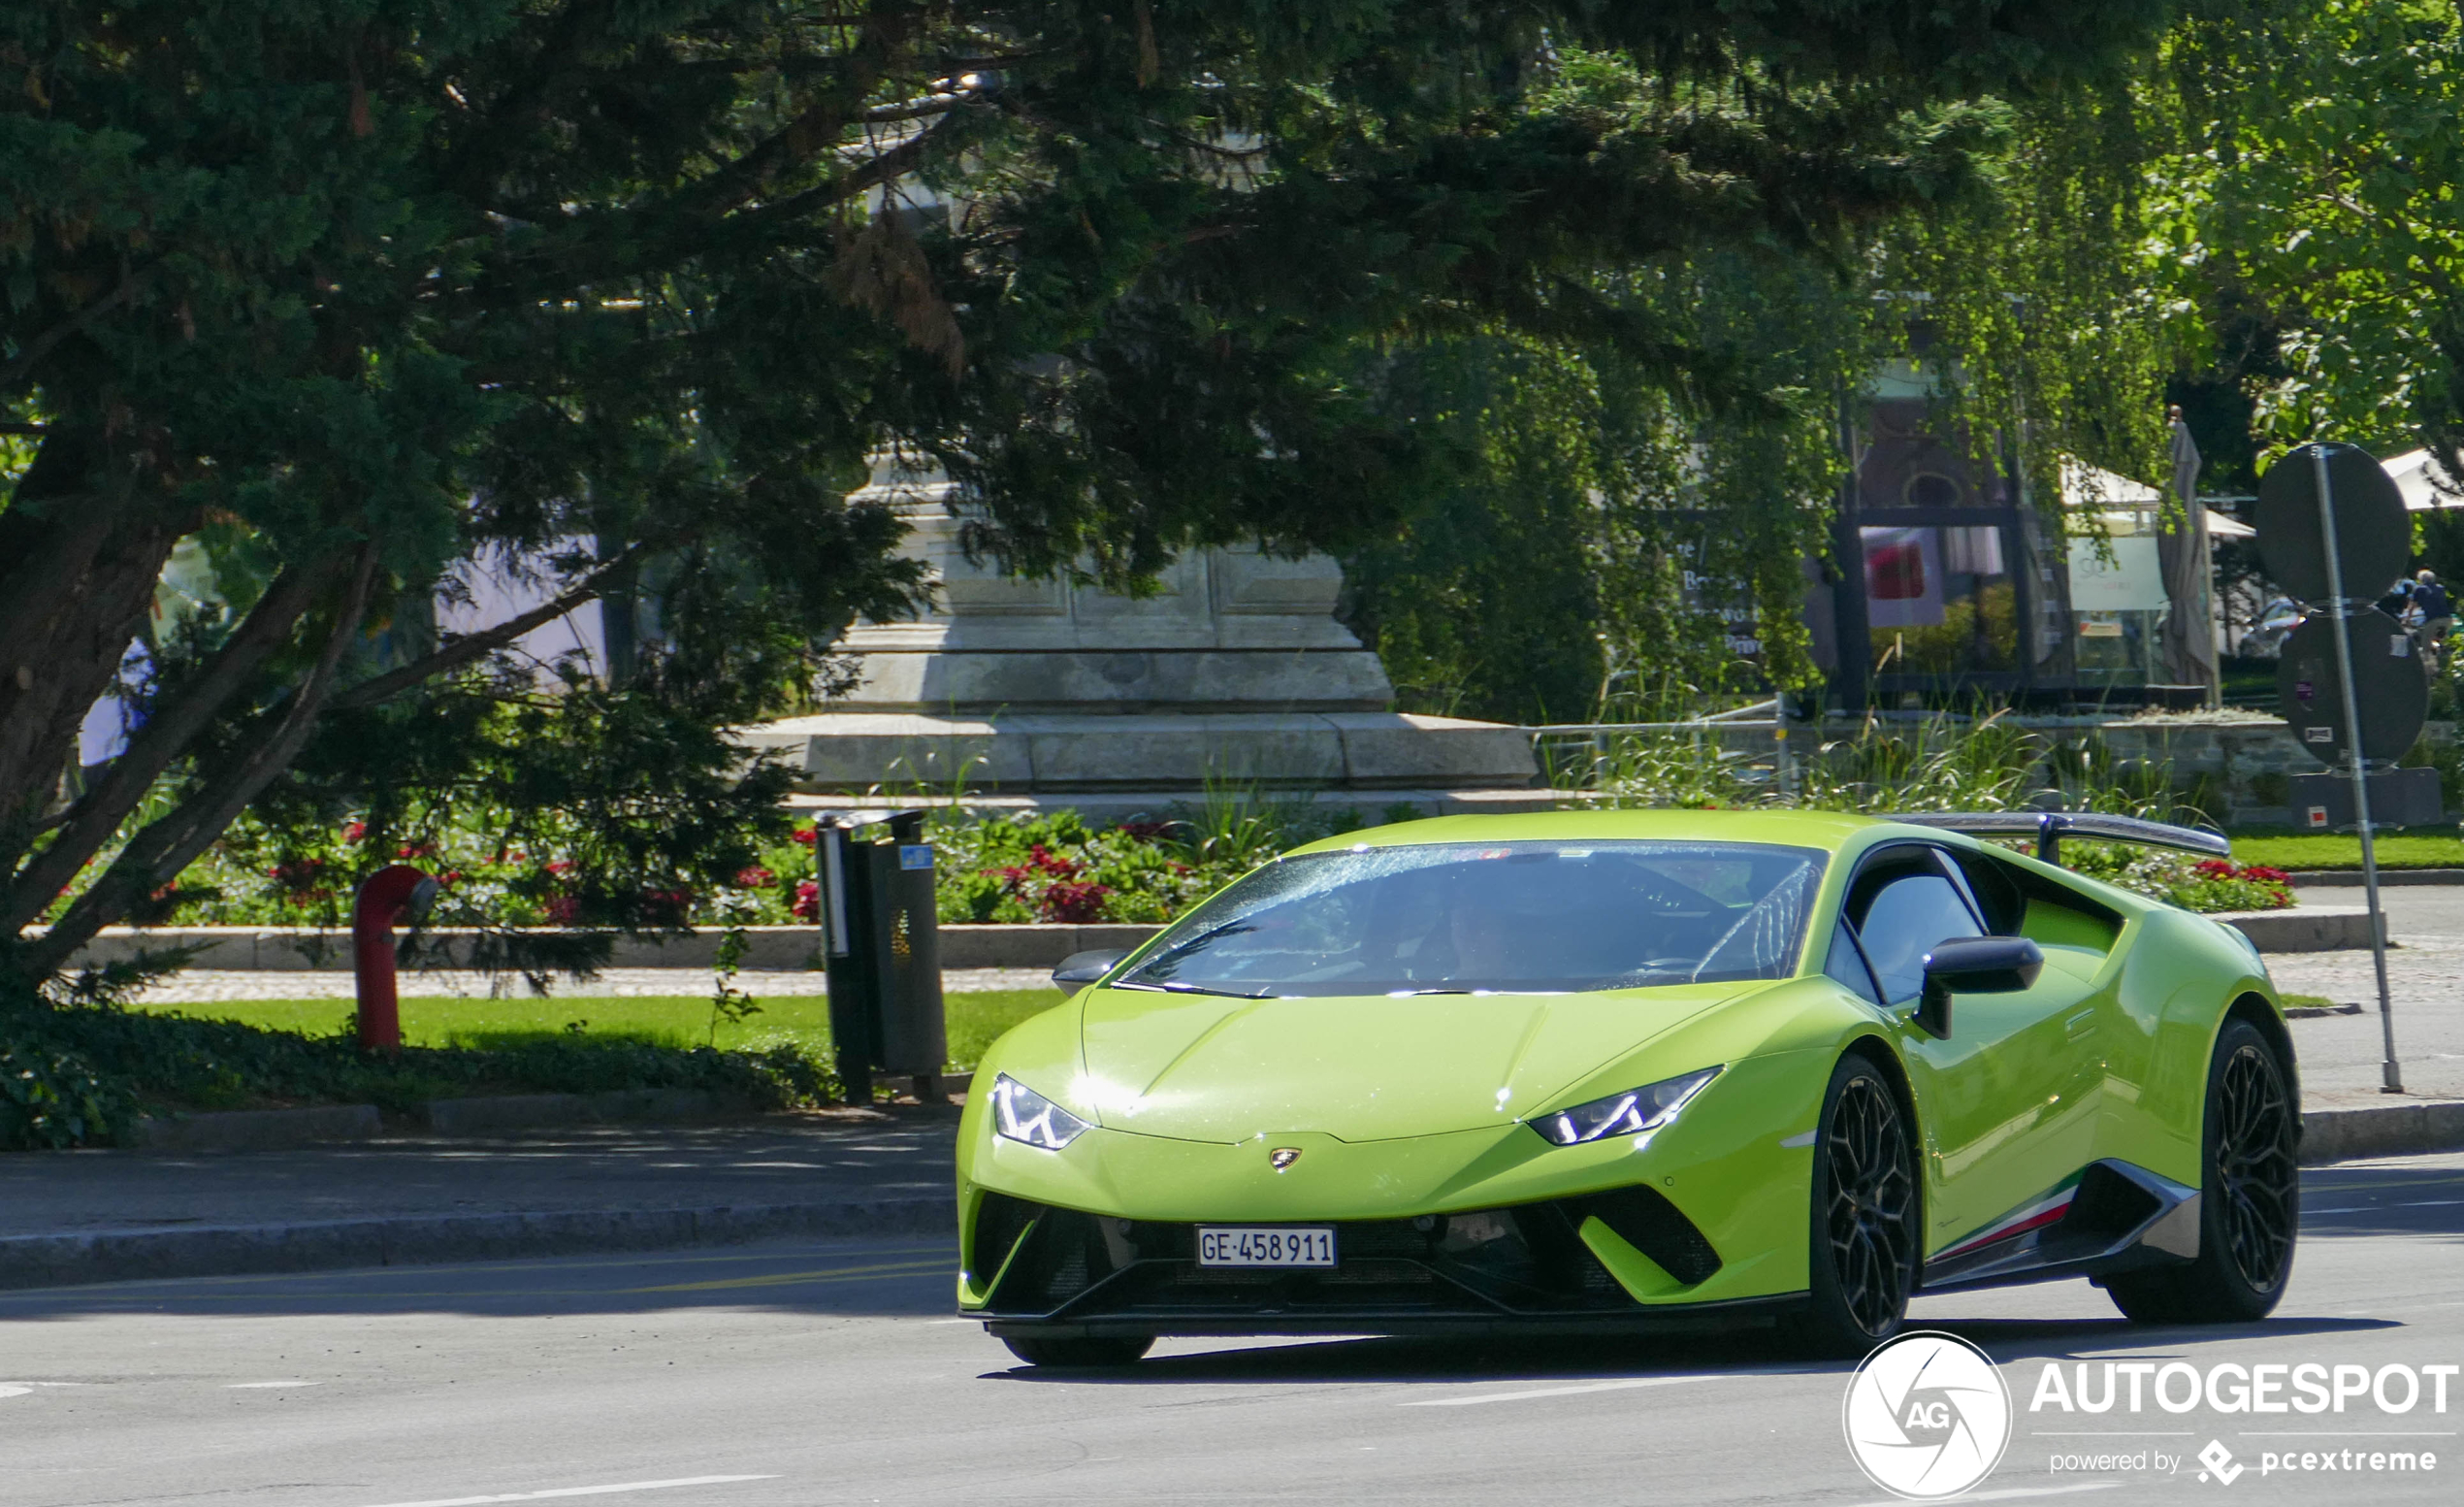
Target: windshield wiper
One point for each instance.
(1175, 987)
(1231, 928)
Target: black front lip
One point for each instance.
(1671, 1318)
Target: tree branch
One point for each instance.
(168, 732)
(469, 647)
(40, 345)
(157, 853)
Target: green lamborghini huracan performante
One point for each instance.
(1585, 1070)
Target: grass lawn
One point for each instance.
(974, 1020)
(2277, 849)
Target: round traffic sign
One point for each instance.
(2390, 688)
(2372, 536)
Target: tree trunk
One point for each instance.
(77, 567)
(158, 852)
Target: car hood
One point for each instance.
(1205, 1067)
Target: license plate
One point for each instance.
(1239, 1247)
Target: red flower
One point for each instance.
(354, 832)
(559, 866)
(416, 850)
(2215, 868)
(564, 910)
(297, 873)
(664, 905)
(808, 900)
(804, 835)
(1078, 904)
(2270, 875)
(1147, 831)
(450, 876)
(755, 878)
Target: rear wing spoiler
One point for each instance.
(2049, 827)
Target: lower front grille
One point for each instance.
(1526, 1260)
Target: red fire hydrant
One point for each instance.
(383, 898)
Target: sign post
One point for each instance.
(2333, 532)
(2391, 1074)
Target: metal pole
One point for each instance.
(2391, 1076)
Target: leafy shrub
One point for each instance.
(49, 1098)
(2207, 886)
(81, 1074)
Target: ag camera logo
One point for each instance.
(1926, 1416)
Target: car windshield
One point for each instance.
(1504, 918)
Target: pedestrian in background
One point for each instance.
(2435, 611)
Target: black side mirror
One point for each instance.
(1084, 967)
(1974, 965)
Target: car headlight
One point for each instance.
(1631, 1113)
(1021, 1114)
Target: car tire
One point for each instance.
(1867, 1227)
(2249, 1204)
(1077, 1349)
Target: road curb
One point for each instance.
(321, 1124)
(2350, 878)
(2301, 928)
(2403, 1130)
(243, 1250)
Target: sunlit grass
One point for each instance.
(2339, 850)
(974, 1020)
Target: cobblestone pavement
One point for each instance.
(204, 986)
(2341, 1055)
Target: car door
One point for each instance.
(2008, 1107)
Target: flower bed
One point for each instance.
(1054, 867)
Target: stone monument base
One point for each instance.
(1117, 764)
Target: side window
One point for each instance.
(1847, 965)
(1912, 910)
(1996, 891)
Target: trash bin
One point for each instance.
(883, 950)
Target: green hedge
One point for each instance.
(82, 1075)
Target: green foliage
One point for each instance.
(49, 1098)
(2317, 175)
(81, 1074)
(1945, 764)
(2207, 885)
(349, 296)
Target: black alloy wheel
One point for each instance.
(2254, 1168)
(2250, 1205)
(1865, 1216)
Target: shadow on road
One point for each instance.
(842, 1278)
(1749, 1352)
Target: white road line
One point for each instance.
(1622, 1384)
(291, 1380)
(580, 1490)
(6, 1391)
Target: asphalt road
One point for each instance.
(833, 1373)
